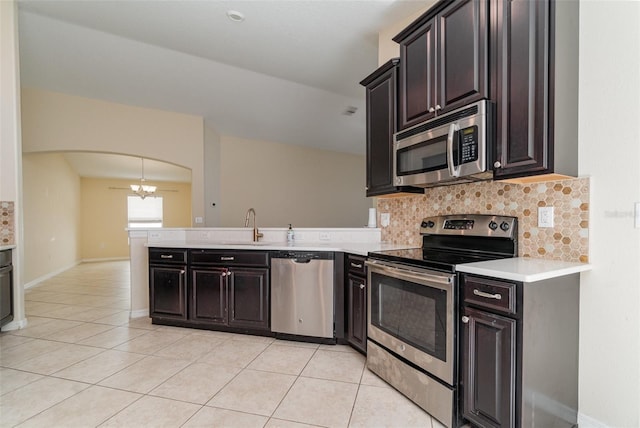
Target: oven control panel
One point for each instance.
(470, 224)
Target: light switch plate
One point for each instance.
(545, 216)
(199, 220)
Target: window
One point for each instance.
(144, 213)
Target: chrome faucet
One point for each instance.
(256, 235)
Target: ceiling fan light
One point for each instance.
(135, 187)
(148, 189)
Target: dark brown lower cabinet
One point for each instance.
(248, 298)
(6, 287)
(357, 322)
(356, 279)
(168, 292)
(212, 289)
(489, 368)
(234, 297)
(208, 301)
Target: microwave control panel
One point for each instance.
(468, 140)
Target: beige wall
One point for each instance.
(51, 215)
(104, 214)
(291, 184)
(58, 122)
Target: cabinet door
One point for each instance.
(417, 98)
(463, 37)
(357, 304)
(522, 65)
(249, 298)
(381, 115)
(381, 125)
(488, 368)
(168, 292)
(6, 295)
(208, 299)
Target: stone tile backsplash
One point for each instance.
(7, 223)
(568, 240)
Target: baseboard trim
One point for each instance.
(15, 325)
(105, 259)
(139, 313)
(585, 421)
(49, 275)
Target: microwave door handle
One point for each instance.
(453, 170)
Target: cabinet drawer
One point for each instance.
(167, 255)
(230, 258)
(489, 293)
(355, 265)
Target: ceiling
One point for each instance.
(287, 73)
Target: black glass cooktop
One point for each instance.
(444, 260)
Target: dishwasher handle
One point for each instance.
(302, 260)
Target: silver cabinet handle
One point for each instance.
(355, 265)
(465, 319)
(166, 256)
(361, 286)
(487, 295)
(431, 110)
(227, 258)
(497, 164)
(182, 272)
(438, 107)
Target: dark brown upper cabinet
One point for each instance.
(534, 78)
(381, 90)
(443, 60)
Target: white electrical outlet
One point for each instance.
(545, 216)
(384, 219)
(325, 236)
(199, 220)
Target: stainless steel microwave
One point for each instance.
(451, 148)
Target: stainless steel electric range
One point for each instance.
(413, 306)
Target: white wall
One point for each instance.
(11, 142)
(291, 184)
(609, 152)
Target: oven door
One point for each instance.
(411, 313)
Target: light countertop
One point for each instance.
(523, 269)
(7, 247)
(360, 248)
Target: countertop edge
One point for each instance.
(524, 269)
(358, 248)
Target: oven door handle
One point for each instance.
(453, 170)
(433, 278)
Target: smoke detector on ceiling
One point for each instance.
(235, 16)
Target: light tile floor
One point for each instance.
(81, 362)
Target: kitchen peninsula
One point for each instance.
(358, 241)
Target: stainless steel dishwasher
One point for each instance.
(302, 293)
